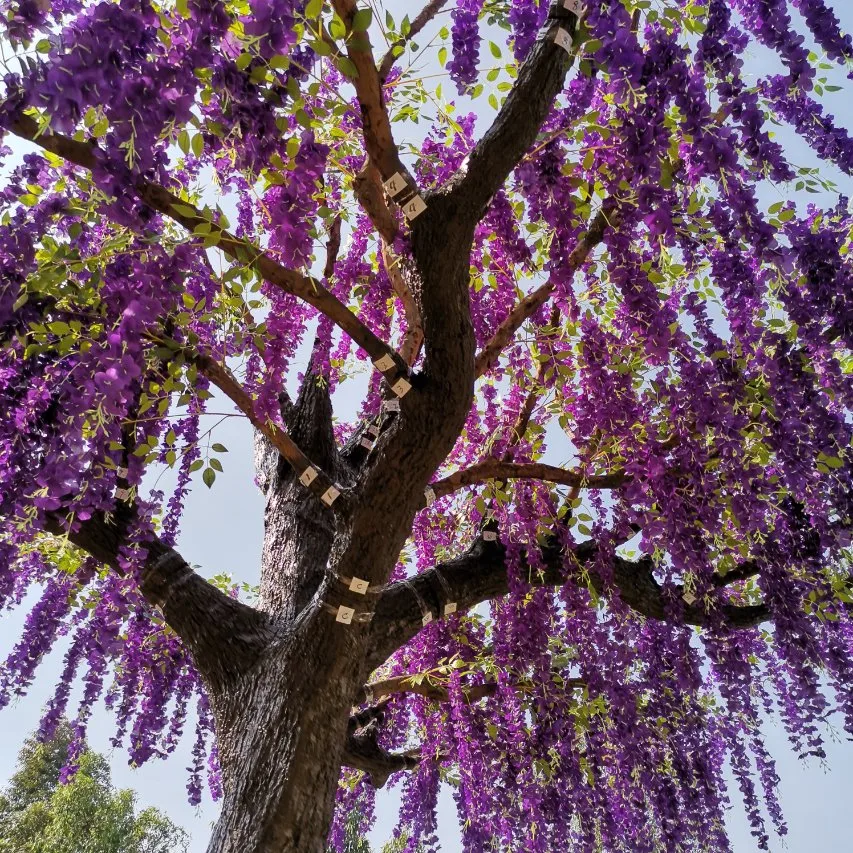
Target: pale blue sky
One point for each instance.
(222, 532)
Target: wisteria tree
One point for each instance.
(590, 525)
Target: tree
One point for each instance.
(40, 814)
(592, 520)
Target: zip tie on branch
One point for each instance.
(449, 605)
(404, 196)
(331, 495)
(122, 472)
(429, 494)
(426, 613)
(490, 536)
(122, 494)
(372, 433)
(558, 9)
(564, 40)
(308, 476)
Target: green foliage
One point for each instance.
(354, 842)
(38, 814)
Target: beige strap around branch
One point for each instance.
(359, 585)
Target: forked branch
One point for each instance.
(222, 634)
(89, 156)
(363, 752)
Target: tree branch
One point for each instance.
(424, 17)
(422, 685)
(540, 79)
(368, 190)
(487, 358)
(414, 337)
(319, 482)
(740, 572)
(89, 156)
(376, 124)
(223, 635)
(333, 247)
(481, 575)
(497, 469)
(363, 752)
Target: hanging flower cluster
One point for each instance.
(696, 350)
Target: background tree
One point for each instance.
(592, 517)
(39, 814)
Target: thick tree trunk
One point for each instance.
(281, 729)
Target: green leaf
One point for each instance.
(320, 47)
(496, 51)
(361, 20)
(313, 8)
(184, 141)
(337, 29)
(346, 67)
(185, 210)
(219, 448)
(208, 477)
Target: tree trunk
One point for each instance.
(281, 729)
(282, 720)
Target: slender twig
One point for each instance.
(606, 217)
(498, 469)
(424, 17)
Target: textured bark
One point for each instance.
(281, 727)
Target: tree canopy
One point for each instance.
(42, 810)
(590, 521)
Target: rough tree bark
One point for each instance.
(283, 678)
